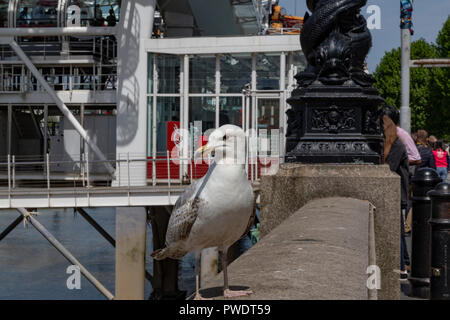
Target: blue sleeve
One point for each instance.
(432, 161)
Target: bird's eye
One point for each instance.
(224, 137)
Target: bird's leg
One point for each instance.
(227, 293)
(198, 296)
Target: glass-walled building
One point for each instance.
(219, 73)
(198, 84)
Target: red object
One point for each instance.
(440, 156)
(173, 136)
(202, 141)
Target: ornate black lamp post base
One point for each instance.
(335, 114)
(334, 124)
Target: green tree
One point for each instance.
(388, 81)
(430, 87)
(439, 120)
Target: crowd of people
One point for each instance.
(405, 154)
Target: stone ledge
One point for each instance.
(297, 184)
(319, 252)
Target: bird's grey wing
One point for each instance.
(181, 221)
(184, 214)
(188, 193)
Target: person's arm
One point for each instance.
(448, 162)
(432, 161)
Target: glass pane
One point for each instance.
(96, 12)
(202, 74)
(268, 71)
(167, 111)
(168, 73)
(149, 126)
(202, 117)
(299, 64)
(36, 13)
(4, 13)
(235, 72)
(268, 114)
(230, 111)
(268, 123)
(151, 59)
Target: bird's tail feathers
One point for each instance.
(171, 252)
(159, 254)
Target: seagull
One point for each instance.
(216, 210)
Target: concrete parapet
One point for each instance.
(296, 184)
(319, 252)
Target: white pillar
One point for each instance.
(186, 147)
(135, 26)
(209, 263)
(405, 110)
(282, 109)
(130, 253)
(218, 81)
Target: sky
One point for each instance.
(428, 18)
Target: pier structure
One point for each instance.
(102, 104)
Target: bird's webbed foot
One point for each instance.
(198, 296)
(227, 293)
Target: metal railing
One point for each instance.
(16, 78)
(296, 30)
(83, 171)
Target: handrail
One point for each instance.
(47, 170)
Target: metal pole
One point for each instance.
(9, 175)
(10, 115)
(64, 31)
(45, 129)
(103, 232)
(186, 150)
(60, 104)
(168, 174)
(13, 171)
(128, 169)
(405, 110)
(47, 235)
(154, 119)
(47, 160)
(87, 168)
(10, 228)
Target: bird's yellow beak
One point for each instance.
(205, 150)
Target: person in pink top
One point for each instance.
(411, 149)
(442, 160)
(413, 154)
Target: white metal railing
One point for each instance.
(82, 171)
(17, 78)
(103, 48)
(296, 30)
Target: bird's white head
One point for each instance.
(228, 145)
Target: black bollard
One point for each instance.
(423, 181)
(440, 242)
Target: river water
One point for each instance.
(31, 268)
